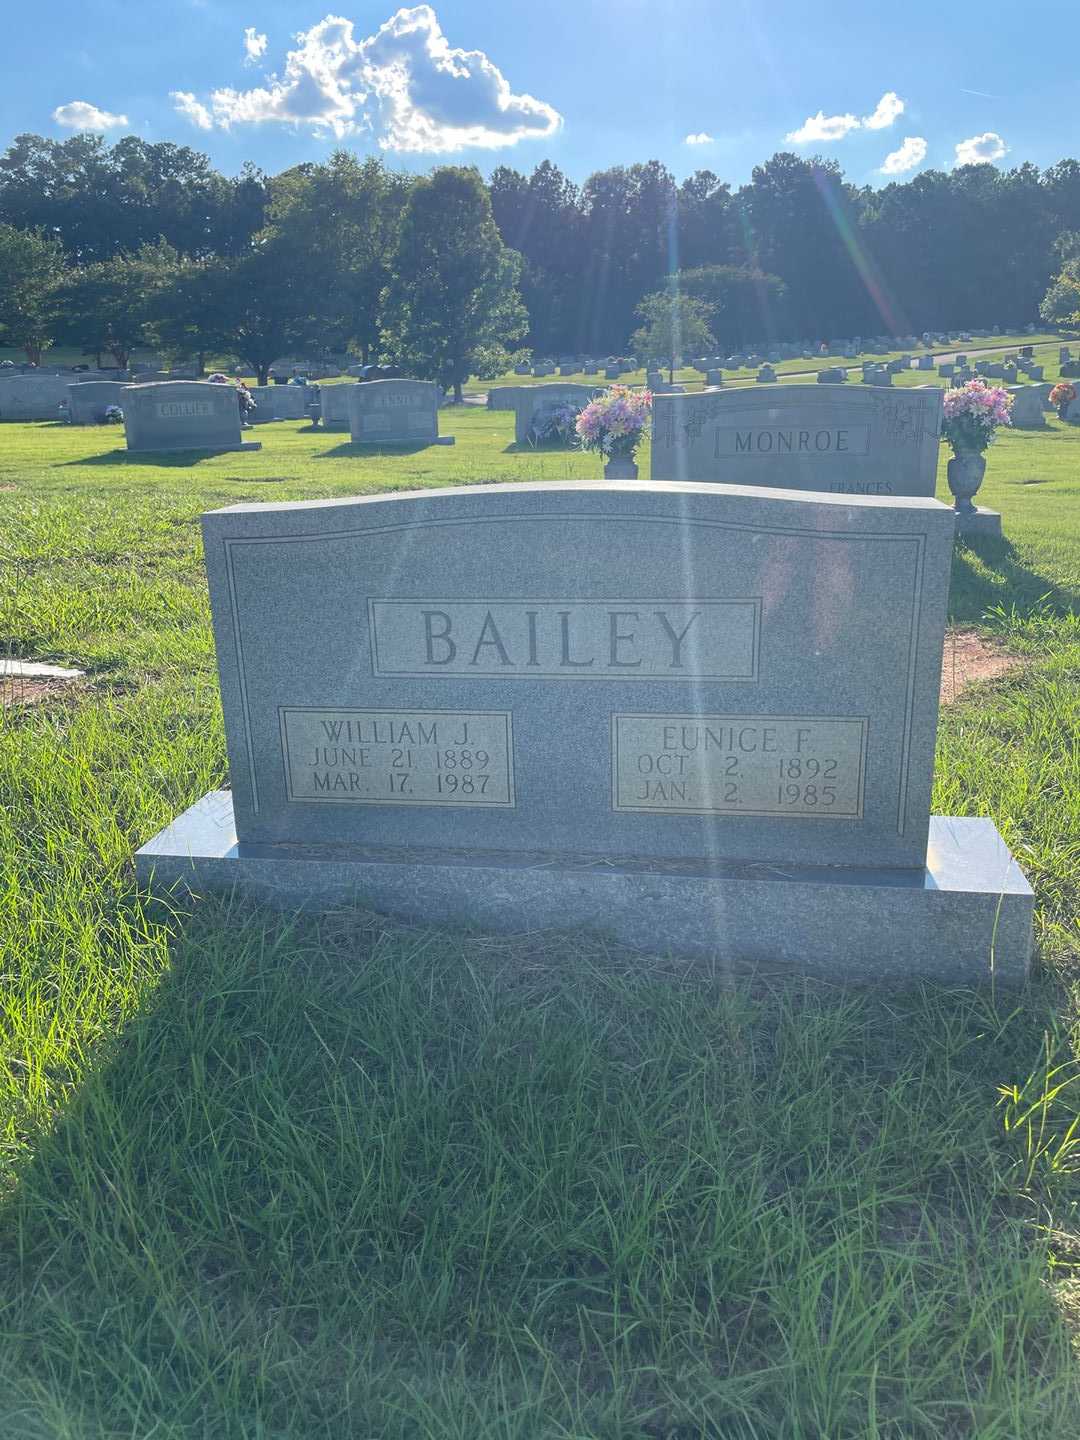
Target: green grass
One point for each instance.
(268, 1179)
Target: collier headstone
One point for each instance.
(802, 437)
(700, 719)
(183, 415)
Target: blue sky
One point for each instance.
(584, 83)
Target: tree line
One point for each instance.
(110, 248)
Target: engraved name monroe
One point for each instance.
(567, 639)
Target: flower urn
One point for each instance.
(965, 474)
(620, 467)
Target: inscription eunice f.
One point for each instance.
(739, 765)
(567, 639)
(398, 757)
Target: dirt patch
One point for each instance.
(16, 690)
(25, 682)
(969, 658)
(8, 487)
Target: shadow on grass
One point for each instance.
(170, 459)
(348, 451)
(981, 564)
(347, 1176)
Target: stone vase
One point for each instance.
(965, 472)
(1063, 409)
(620, 467)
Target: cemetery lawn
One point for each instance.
(269, 1179)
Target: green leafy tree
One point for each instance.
(340, 221)
(453, 293)
(111, 305)
(746, 303)
(1061, 303)
(31, 270)
(675, 326)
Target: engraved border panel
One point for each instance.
(506, 716)
(752, 605)
(775, 813)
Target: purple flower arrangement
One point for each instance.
(972, 414)
(615, 422)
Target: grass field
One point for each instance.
(272, 1179)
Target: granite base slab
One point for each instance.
(980, 521)
(964, 919)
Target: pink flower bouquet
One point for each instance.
(615, 422)
(972, 414)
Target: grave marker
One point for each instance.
(182, 415)
(804, 437)
(700, 720)
(396, 412)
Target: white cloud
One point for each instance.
(254, 45)
(701, 138)
(980, 148)
(184, 103)
(911, 154)
(405, 84)
(834, 127)
(889, 108)
(823, 127)
(81, 115)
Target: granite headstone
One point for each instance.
(183, 415)
(701, 720)
(532, 401)
(395, 412)
(805, 437)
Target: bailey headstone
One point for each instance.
(849, 440)
(701, 721)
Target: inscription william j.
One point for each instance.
(395, 757)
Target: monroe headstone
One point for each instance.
(701, 720)
(803, 437)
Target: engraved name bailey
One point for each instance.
(567, 639)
